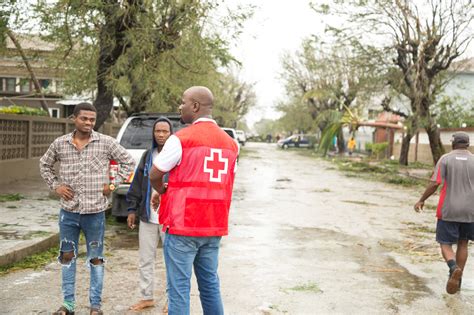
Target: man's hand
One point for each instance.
(106, 191)
(65, 192)
(419, 206)
(131, 220)
(155, 201)
(163, 188)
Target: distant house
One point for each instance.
(461, 87)
(16, 87)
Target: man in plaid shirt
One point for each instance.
(83, 185)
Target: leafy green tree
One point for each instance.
(145, 53)
(450, 114)
(234, 98)
(265, 127)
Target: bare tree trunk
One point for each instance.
(341, 147)
(437, 149)
(405, 149)
(412, 127)
(112, 43)
(105, 98)
(36, 84)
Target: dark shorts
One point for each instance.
(448, 232)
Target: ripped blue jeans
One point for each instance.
(93, 226)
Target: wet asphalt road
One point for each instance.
(304, 239)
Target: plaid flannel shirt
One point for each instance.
(85, 171)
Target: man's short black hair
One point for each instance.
(83, 106)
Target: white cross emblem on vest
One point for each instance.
(215, 165)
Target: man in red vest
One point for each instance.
(195, 203)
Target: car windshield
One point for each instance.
(230, 133)
(138, 134)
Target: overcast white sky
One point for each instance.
(277, 26)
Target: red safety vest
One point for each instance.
(199, 192)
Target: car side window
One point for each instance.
(138, 134)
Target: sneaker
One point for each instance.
(454, 280)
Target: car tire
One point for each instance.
(285, 146)
(119, 206)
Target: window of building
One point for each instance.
(25, 85)
(2, 84)
(10, 84)
(44, 83)
(54, 112)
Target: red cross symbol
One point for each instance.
(215, 165)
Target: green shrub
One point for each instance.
(378, 149)
(22, 110)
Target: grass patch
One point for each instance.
(10, 224)
(32, 234)
(385, 171)
(324, 190)
(111, 220)
(419, 228)
(357, 202)
(352, 175)
(425, 229)
(308, 287)
(404, 181)
(10, 197)
(430, 207)
(248, 153)
(35, 261)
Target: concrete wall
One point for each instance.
(18, 170)
(424, 151)
(24, 139)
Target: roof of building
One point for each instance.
(31, 42)
(464, 65)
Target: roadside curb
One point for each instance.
(29, 248)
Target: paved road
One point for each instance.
(304, 239)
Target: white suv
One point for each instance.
(241, 137)
(233, 134)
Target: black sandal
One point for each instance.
(63, 311)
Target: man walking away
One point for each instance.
(83, 185)
(455, 173)
(194, 210)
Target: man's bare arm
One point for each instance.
(430, 189)
(156, 180)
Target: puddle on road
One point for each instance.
(373, 260)
(238, 193)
